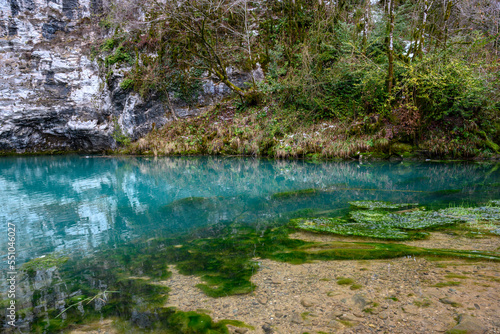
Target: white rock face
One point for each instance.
(53, 97)
(48, 86)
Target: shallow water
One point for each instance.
(122, 221)
(78, 204)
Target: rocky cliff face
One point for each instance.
(53, 96)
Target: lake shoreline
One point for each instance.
(362, 157)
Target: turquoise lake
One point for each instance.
(81, 204)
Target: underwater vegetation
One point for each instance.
(369, 220)
(373, 205)
(295, 193)
(347, 228)
(128, 282)
(484, 213)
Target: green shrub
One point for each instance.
(120, 55)
(126, 84)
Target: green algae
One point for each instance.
(484, 213)
(207, 259)
(356, 286)
(144, 299)
(225, 263)
(360, 229)
(447, 192)
(419, 220)
(375, 205)
(446, 284)
(456, 276)
(375, 219)
(294, 193)
(345, 281)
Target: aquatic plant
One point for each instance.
(419, 220)
(378, 220)
(484, 213)
(294, 193)
(360, 229)
(225, 262)
(374, 205)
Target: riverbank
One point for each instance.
(274, 132)
(232, 129)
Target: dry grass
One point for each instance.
(256, 132)
(278, 133)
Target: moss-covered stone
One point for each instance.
(45, 262)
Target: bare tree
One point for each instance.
(425, 13)
(208, 34)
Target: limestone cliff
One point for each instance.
(53, 96)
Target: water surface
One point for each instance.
(78, 204)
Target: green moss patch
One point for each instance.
(44, 262)
(294, 193)
(361, 229)
(375, 205)
(484, 213)
(375, 219)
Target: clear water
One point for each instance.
(77, 204)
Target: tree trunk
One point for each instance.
(390, 49)
(447, 14)
(427, 5)
(366, 22)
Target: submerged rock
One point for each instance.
(470, 325)
(307, 302)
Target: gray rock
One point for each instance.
(335, 324)
(262, 300)
(449, 302)
(470, 325)
(307, 302)
(296, 318)
(350, 318)
(360, 301)
(267, 329)
(276, 281)
(383, 315)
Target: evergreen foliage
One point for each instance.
(411, 66)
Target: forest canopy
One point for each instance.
(414, 63)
